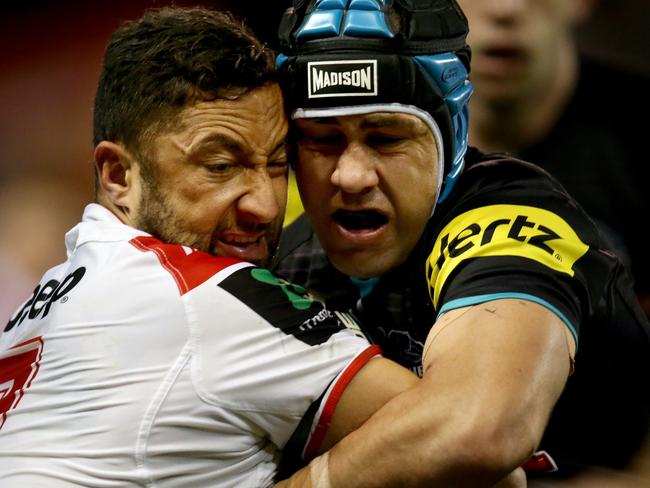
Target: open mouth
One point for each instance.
(360, 220)
(247, 248)
(504, 57)
(500, 61)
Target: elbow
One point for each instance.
(497, 450)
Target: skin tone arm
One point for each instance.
(492, 375)
(371, 388)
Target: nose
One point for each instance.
(259, 203)
(355, 170)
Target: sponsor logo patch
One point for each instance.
(354, 78)
(503, 230)
(296, 294)
(44, 296)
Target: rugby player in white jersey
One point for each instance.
(160, 354)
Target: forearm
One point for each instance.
(478, 414)
(316, 475)
(391, 452)
(409, 442)
(408, 445)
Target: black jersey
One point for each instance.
(510, 230)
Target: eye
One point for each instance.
(278, 168)
(318, 138)
(220, 168)
(323, 144)
(329, 139)
(383, 140)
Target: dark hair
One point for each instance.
(171, 57)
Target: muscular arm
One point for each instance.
(492, 375)
(378, 382)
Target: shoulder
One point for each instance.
(285, 306)
(264, 344)
(250, 292)
(509, 215)
(188, 267)
(500, 193)
(502, 178)
(501, 165)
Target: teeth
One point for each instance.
(240, 240)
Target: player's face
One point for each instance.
(368, 183)
(219, 181)
(515, 43)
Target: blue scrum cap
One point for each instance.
(343, 57)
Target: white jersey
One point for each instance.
(140, 363)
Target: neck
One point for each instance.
(120, 212)
(513, 124)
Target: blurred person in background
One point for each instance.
(537, 97)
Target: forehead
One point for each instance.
(373, 120)
(255, 118)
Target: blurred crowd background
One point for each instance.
(51, 56)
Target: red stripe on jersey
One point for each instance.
(18, 367)
(188, 268)
(335, 395)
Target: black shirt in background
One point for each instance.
(597, 151)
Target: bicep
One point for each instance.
(375, 384)
(511, 355)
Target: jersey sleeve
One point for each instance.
(521, 239)
(268, 352)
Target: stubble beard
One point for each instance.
(159, 219)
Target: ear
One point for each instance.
(115, 173)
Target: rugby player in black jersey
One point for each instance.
(477, 271)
